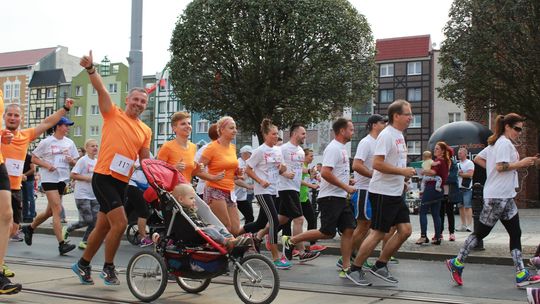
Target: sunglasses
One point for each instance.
(518, 129)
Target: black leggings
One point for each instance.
(268, 213)
(448, 209)
(309, 215)
(511, 226)
(247, 210)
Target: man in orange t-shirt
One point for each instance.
(180, 152)
(125, 137)
(15, 153)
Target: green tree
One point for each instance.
(490, 58)
(290, 60)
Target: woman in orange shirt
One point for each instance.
(222, 164)
(180, 152)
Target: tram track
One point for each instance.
(366, 293)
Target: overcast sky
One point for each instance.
(104, 25)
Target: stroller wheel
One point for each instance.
(132, 234)
(146, 276)
(256, 280)
(193, 285)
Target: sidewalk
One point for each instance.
(496, 244)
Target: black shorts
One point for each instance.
(4, 178)
(135, 202)
(16, 205)
(335, 213)
(388, 211)
(109, 192)
(60, 187)
(362, 205)
(289, 204)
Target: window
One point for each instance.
(77, 131)
(113, 88)
(161, 128)
(162, 106)
(414, 147)
(94, 130)
(454, 117)
(78, 91)
(38, 113)
(78, 111)
(16, 89)
(387, 70)
(202, 126)
(414, 68)
(38, 93)
(416, 121)
(414, 94)
(94, 110)
(115, 69)
(7, 90)
(49, 93)
(48, 111)
(386, 96)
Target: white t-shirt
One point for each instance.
(201, 182)
(390, 144)
(54, 151)
(265, 163)
(84, 166)
(335, 156)
(293, 157)
(500, 184)
(364, 152)
(241, 192)
(465, 166)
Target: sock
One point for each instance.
(84, 262)
(30, 229)
(518, 260)
(355, 268)
(380, 264)
(61, 243)
(108, 265)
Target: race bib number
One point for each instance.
(14, 167)
(60, 161)
(121, 164)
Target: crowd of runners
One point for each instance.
(366, 210)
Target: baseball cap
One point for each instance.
(247, 149)
(65, 121)
(375, 118)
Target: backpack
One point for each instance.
(452, 173)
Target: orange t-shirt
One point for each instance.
(221, 158)
(172, 153)
(15, 155)
(1, 122)
(123, 137)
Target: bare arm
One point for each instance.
(360, 168)
(44, 164)
(51, 121)
(480, 161)
(144, 153)
(524, 163)
(467, 174)
(326, 173)
(243, 184)
(255, 177)
(80, 177)
(104, 99)
(380, 165)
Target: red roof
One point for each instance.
(403, 47)
(23, 58)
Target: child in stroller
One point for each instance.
(185, 195)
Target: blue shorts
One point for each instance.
(361, 205)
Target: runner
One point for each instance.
(386, 196)
(85, 199)
(502, 161)
(6, 212)
(243, 189)
(336, 212)
(54, 155)
(465, 176)
(125, 137)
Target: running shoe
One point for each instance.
(533, 295)
(393, 260)
(317, 247)
(358, 277)
(109, 275)
(524, 278)
(343, 273)
(367, 265)
(65, 232)
(65, 247)
(295, 253)
(452, 237)
(339, 263)
(456, 269)
(145, 242)
(18, 237)
(383, 273)
(27, 235)
(287, 247)
(7, 272)
(308, 256)
(82, 245)
(84, 273)
(282, 263)
(7, 287)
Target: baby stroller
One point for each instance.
(187, 253)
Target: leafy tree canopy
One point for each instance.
(491, 56)
(290, 60)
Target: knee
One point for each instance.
(6, 216)
(298, 221)
(405, 232)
